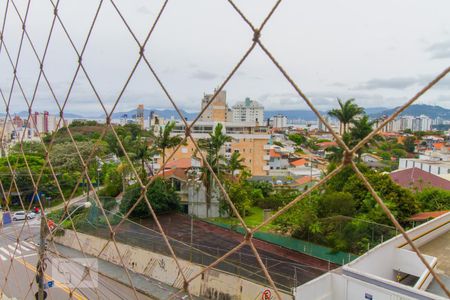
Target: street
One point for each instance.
(18, 270)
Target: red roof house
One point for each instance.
(415, 178)
(425, 216)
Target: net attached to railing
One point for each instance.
(115, 228)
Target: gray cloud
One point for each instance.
(388, 83)
(400, 83)
(204, 75)
(440, 50)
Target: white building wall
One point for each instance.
(433, 167)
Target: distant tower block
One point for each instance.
(140, 115)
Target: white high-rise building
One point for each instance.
(279, 121)
(421, 123)
(321, 126)
(406, 122)
(248, 111)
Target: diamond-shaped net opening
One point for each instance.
(54, 180)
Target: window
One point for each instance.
(184, 150)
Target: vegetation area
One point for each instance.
(342, 214)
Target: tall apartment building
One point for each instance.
(140, 116)
(321, 126)
(279, 121)
(421, 123)
(43, 122)
(248, 111)
(218, 110)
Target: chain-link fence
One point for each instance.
(243, 258)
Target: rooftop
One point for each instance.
(415, 178)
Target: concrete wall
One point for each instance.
(213, 285)
(197, 202)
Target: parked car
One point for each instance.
(21, 215)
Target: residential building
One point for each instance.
(370, 158)
(43, 122)
(140, 116)
(421, 123)
(17, 121)
(218, 110)
(278, 121)
(249, 140)
(249, 111)
(321, 125)
(418, 179)
(406, 122)
(279, 158)
(431, 166)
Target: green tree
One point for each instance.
(165, 140)
(346, 113)
(298, 139)
(141, 153)
(212, 146)
(336, 203)
(161, 194)
(433, 199)
(409, 144)
(361, 128)
(235, 163)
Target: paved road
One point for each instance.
(81, 198)
(18, 270)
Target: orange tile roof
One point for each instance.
(178, 173)
(388, 134)
(438, 146)
(182, 163)
(273, 153)
(327, 144)
(304, 180)
(423, 216)
(298, 162)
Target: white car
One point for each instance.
(21, 215)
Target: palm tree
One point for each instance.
(361, 128)
(165, 140)
(235, 163)
(142, 153)
(212, 146)
(346, 113)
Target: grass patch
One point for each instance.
(255, 218)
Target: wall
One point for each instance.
(252, 150)
(250, 146)
(213, 285)
(197, 203)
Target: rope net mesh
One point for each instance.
(27, 53)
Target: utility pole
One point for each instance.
(41, 294)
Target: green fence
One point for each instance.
(321, 252)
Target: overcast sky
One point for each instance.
(379, 52)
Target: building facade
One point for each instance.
(248, 111)
(279, 121)
(218, 110)
(249, 141)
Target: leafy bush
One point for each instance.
(161, 194)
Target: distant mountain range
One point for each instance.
(164, 113)
(432, 111)
(24, 115)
